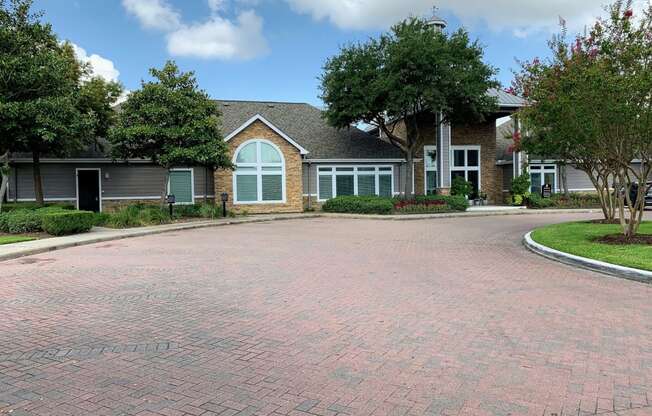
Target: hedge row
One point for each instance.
(359, 205)
(385, 206)
(561, 201)
(54, 220)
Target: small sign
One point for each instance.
(546, 190)
(171, 199)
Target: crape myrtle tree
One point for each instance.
(590, 105)
(412, 75)
(45, 100)
(171, 122)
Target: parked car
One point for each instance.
(648, 195)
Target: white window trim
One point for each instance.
(266, 122)
(466, 168)
(259, 173)
(192, 184)
(542, 171)
(333, 173)
(99, 179)
(427, 169)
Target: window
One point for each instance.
(466, 164)
(260, 173)
(180, 184)
(430, 168)
(354, 180)
(543, 175)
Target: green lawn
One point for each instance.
(9, 239)
(577, 238)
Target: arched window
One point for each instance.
(260, 173)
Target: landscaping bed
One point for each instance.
(561, 201)
(422, 204)
(598, 242)
(142, 215)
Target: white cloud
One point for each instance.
(221, 38)
(100, 66)
(215, 5)
(215, 38)
(519, 16)
(153, 14)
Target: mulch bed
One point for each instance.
(603, 221)
(621, 240)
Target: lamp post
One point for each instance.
(225, 197)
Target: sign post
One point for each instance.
(171, 200)
(546, 190)
(225, 198)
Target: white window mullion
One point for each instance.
(377, 179)
(355, 181)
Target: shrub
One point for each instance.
(359, 205)
(15, 206)
(20, 221)
(461, 187)
(100, 219)
(520, 189)
(66, 223)
(213, 211)
(187, 211)
(535, 201)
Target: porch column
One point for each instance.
(443, 158)
(520, 158)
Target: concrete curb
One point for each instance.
(59, 243)
(586, 263)
(17, 250)
(413, 217)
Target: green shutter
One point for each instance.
(181, 186)
(325, 187)
(272, 187)
(385, 185)
(366, 185)
(246, 188)
(344, 185)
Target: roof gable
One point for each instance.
(276, 130)
(306, 125)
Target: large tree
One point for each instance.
(41, 107)
(171, 122)
(413, 75)
(590, 105)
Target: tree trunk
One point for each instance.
(4, 174)
(38, 183)
(164, 189)
(409, 167)
(564, 180)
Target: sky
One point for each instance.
(274, 50)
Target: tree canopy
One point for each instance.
(170, 121)
(44, 106)
(406, 76)
(590, 105)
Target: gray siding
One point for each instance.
(119, 181)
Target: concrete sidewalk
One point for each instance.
(98, 235)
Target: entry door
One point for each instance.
(88, 190)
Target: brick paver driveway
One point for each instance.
(322, 317)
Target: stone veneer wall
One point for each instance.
(293, 173)
(485, 136)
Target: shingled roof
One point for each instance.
(305, 125)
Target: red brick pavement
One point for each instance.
(322, 317)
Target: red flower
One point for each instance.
(629, 13)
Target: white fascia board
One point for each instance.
(278, 131)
